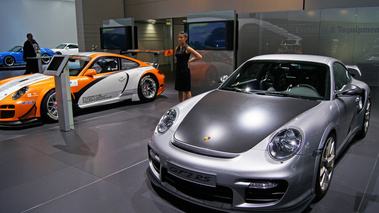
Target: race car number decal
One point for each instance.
(95, 98)
(74, 83)
(192, 176)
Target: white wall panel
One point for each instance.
(50, 21)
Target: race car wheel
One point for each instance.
(45, 58)
(9, 61)
(211, 78)
(147, 88)
(366, 121)
(326, 167)
(49, 107)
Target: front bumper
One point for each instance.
(233, 178)
(21, 123)
(18, 114)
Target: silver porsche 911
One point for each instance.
(266, 139)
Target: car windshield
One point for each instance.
(61, 46)
(15, 49)
(76, 64)
(281, 78)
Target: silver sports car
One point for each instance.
(266, 139)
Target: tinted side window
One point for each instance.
(72, 46)
(128, 64)
(341, 76)
(105, 64)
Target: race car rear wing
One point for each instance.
(156, 53)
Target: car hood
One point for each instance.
(16, 84)
(234, 122)
(6, 53)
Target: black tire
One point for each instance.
(366, 121)
(211, 78)
(44, 59)
(49, 108)
(147, 88)
(325, 168)
(9, 61)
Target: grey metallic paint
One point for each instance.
(231, 118)
(316, 120)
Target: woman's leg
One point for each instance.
(188, 94)
(181, 96)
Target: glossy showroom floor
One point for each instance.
(100, 166)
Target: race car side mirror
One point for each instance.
(349, 90)
(90, 72)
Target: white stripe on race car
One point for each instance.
(12, 86)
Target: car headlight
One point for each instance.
(167, 121)
(285, 144)
(20, 93)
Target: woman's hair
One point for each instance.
(184, 33)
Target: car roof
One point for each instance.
(98, 54)
(66, 43)
(94, 54)
(296, 57)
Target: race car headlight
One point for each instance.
(167, 121)
(285, 144)
(20, 93)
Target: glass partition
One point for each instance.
(348, 34)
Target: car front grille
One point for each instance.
(7, 111)
(214, 194)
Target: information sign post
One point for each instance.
(59, 69)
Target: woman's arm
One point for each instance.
(195, 53)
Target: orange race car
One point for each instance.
(95, 79)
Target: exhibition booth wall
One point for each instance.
(348, 34)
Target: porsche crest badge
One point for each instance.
(207, 138)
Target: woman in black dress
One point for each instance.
(183, 74)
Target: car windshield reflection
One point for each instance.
(76, 65)
(15, 49)
(280, 78)
(61, 46)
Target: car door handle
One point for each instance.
(121, 79)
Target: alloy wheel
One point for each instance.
(327, 164)
(149, 87)
(52, 106)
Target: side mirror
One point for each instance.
(353, 70)
(349, 90)
(90, 72)
(223, 79)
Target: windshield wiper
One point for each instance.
(235, 89)
(280, 94)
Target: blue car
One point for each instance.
(14, 56)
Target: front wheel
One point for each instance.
(326, 167)
(45, 58)
(9, 61)
(366, 121)
(147, 88)
(49, 107)
(211, 78)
